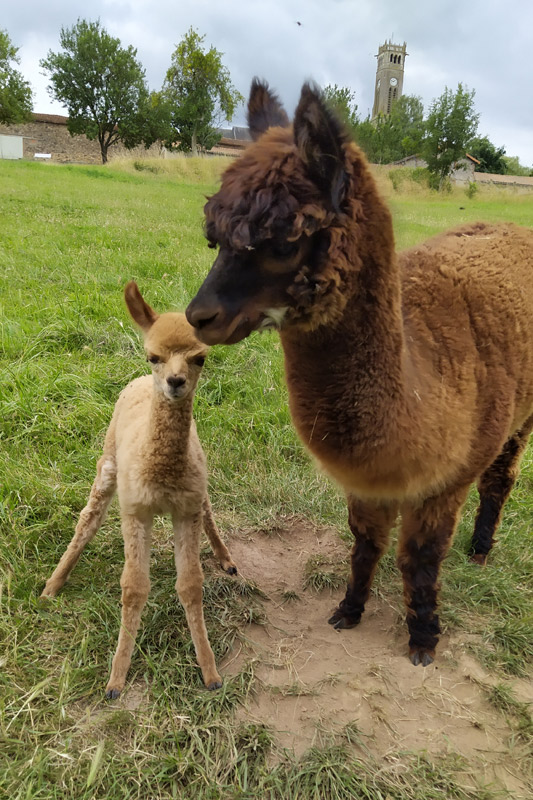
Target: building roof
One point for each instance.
(239, 133)
(231, 144)
(55, 119)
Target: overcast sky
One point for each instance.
(485, 44)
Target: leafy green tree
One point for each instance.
(199, 91)
(406, 124)
(452, 123)
(490, 157)
(342, 100)
(15, 93)
(514, 167)
(387, 138)
(365, 136)
(103, 87)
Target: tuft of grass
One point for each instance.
(177, 166)
(502, 697)
(290, 596)
(322, 572)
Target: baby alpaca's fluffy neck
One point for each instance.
(169, 429)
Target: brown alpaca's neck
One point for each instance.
(346, 380)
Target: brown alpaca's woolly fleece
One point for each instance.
(410, 374)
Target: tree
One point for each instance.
(342, 100)
(366, 138)
(199, 91)
(15, 93)
(490, 157)
(451, 124)
(387, 138)
(406, 122)
(104, 90)
(514, 167)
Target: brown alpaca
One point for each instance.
(410, 375)
(153, 458)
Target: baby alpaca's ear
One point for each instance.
(139, 309)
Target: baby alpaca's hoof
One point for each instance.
(421, 656)
(112, 694)
(214, 685)
(480, 559)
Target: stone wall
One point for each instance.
(48, 133)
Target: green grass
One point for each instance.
(322, 572)
(71, 237)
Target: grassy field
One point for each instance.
(70, 238)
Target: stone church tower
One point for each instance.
(389, 77)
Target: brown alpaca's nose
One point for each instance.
(200, 317)
(175, 381)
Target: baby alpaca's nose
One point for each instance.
(175, 381)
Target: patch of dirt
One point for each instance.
(313, 681)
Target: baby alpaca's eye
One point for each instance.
(199, 361)
(153, 359)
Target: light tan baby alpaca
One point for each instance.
(153, 458)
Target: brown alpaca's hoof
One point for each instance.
(342, 621)
(112, 694)
(421, 656)
(478, 558)
(214, 685)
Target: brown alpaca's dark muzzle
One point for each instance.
(215, 326)
(218, 322)
(224, 310)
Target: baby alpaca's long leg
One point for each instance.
(89, 522)
(189, 588)
(219, 548)
(135, 583)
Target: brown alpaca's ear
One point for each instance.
(320, 136)
(264, 110)
(140, 311)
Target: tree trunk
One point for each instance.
(194, 144)
(103, 147)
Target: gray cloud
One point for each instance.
(485, 44)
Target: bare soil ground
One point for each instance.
(313, 681)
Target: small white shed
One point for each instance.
(11, 146)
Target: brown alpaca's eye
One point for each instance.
(199, 361)
(284, 249)
(153, 359)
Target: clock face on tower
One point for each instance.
(393, 81)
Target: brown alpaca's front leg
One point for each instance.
(219, 548)
(89, 522)
(426, 534)
(135, 583)
(189, 588)
(370, 524)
